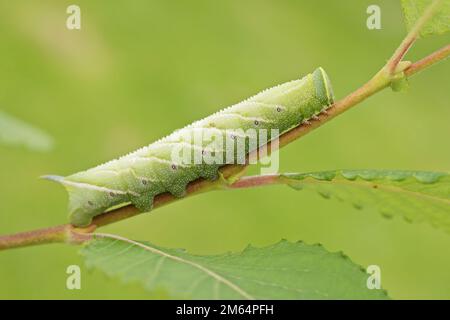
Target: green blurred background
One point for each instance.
(139, 69)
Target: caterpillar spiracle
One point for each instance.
(141, 175)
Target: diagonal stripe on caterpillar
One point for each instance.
(139, 176)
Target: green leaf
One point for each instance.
(415, 195)
(14, 131)
(282, 271)
(438, 24)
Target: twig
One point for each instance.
(41, 236)
(231, 173)
(424, 63)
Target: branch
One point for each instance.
(230, 174)
(62, 233)
(424, 63)
(41, 236)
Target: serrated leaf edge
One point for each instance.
(219, 278)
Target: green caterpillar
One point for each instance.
(139, 176)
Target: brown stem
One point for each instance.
(433, 58)
(62, 233)
(69, 234)
(411, 37)
(400, 53)
(256, 181)
(41, 236)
